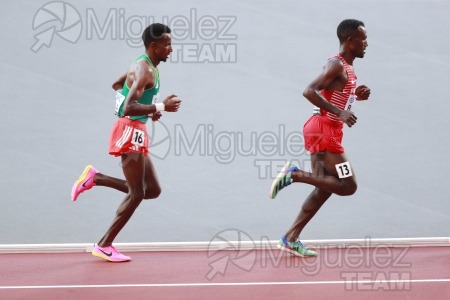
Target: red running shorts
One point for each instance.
(322, 134)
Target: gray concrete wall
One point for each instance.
(57, 110)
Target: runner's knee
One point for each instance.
(348, 189)
(152, 193)
(322, 194)
(136, 196)
(129, 206)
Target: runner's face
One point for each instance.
(359, 42)
(164, 47)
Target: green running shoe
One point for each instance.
(295, 248)
(282, 180)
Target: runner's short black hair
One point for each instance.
(153, 33)
(346, 27)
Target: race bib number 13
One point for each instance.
(344, 170)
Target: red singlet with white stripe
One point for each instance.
(345, 99)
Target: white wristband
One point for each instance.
(160, 107)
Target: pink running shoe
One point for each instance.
(109, 253)
(84, 183)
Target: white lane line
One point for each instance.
(211, 284)
(228, 245)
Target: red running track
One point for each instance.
(338, 273)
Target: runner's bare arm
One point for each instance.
(143, 77)
(333, 70)
(331, 78)
(118, 84)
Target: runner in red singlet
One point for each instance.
(334, 92)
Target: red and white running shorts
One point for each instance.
(128, 136)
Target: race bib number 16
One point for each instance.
(138, 137)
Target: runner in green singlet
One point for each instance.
(136, 101)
